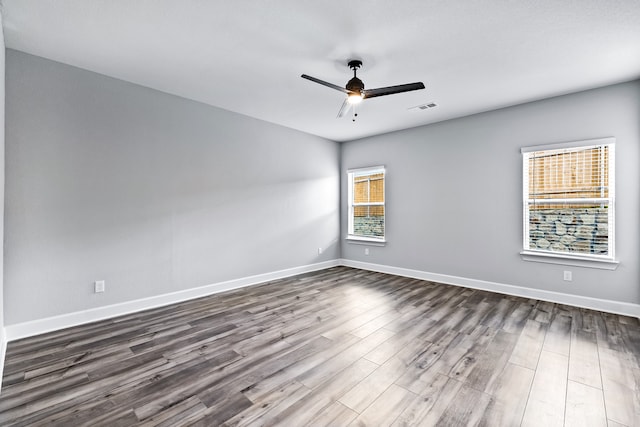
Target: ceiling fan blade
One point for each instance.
(346, 105)
(322, 82)
(390, 90)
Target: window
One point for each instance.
(366, 196)
(569, 199)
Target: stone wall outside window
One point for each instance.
(582, 231)
(368, 226)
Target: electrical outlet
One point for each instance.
(319, 251)
(366, 251)
(568, 276)
(98, 286)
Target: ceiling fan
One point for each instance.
(356, 92)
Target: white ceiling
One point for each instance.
(247, 55)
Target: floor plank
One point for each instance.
(424, 401)
(466, 409)
(509, 397)
(585, 406)
(370, 388)
(584, 361)
(557, 338)
(529, 345)
(620, 384)
(335, 414)
(386, 408)
(546, 403)
(491, 362)
(323, 396)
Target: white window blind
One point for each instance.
(568, 198)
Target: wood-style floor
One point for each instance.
(336, 347)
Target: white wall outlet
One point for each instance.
(366, 251)
(319, 251)
(568, 276)
(98, 286)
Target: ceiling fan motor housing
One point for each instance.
(355, 85)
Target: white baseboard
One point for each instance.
(40, 326)
(608, 306)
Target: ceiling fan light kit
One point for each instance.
(354, 99)
(356, 92)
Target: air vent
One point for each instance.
(426, 106)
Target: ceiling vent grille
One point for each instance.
(427, 106)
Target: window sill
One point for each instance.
(359, 240)
(577, 261)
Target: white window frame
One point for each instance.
(566, 258)
(351, 173)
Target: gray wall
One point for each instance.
(153, 193)
(454, 192)
(2, 167)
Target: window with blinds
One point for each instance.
(366, 193)
(568, 198)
